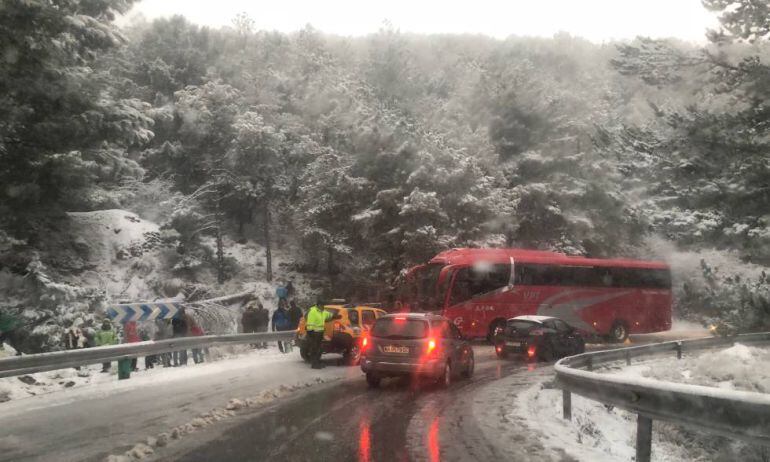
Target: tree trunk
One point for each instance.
(220, 247)
(330, 266)
(268, 250)
(220, 256)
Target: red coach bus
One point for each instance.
(480, 288)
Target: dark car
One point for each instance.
(417, 345)
(538, 337)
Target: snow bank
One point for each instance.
(43, 383)
(739, 367)
(234, 406)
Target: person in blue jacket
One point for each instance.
(280, 323)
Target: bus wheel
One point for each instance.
(618, 332)
(497, 323)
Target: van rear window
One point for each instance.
(400, 328)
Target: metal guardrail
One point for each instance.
(28, 364)
(741, 415)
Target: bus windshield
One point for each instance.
(419, 291)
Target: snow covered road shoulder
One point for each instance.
(604, 433)
(92, 421)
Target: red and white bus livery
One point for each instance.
(480, 288)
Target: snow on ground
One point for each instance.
(682, 325)
(595, 433)
(598, 433)
(92, 421)
(739, 367)
(42, 383)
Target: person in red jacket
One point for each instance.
(196, 330)
(131, 335)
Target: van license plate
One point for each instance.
(395, 349)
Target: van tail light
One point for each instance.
(531, 351)
(364, 342)
(536, 332)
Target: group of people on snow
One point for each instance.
(183, 325)
(256, 318)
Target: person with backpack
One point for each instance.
(281, 323)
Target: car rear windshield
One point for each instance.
(400, 328)
(521, 326)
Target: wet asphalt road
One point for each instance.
(400, 421)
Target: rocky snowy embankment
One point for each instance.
(88, 260)
(600, 433)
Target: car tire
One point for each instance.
(546, 353)
(445, 379)
(618, 332)
(501, 353)
(352, 356)
(468, 372)
(372, 380)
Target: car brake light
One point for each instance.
(400, 318)
(536, 332)
(531, 351)
(364, 343)
(431, 346)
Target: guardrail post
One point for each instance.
(643, 438)
(628, 358)
(566, 397)
(590, 365)
(678, 350)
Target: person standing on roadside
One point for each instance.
(180, 327)
(281, 323)
(130, 335)
(106, 336)
(295, 314)
(163, 332)
(263, 320)
(196, 331)
(282, 293)
(316, 320)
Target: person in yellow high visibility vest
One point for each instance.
(315, 322)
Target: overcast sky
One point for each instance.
(596, 20)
